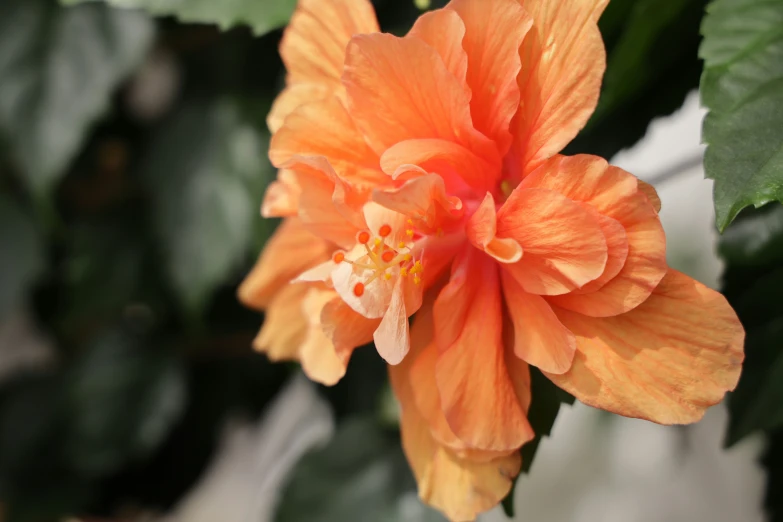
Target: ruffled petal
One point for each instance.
(392, 338)
(563, 244)
(457, 165)
(613, 193)
(424, 200)
(291, 98)
(285, 325)
(459, 487)
(313, 44)
(482, 232)
(563, 62)
(325, 129)
(329, 206)
(317, 354)
(540, 338)
(478, 397)
(399, 89)
(444, 30)
(346, 329)
(667, 360)
(651, 193)
(493, 33)
(291, 250)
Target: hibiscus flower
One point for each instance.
(422, 175)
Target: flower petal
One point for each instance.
(564, 247)
(424, 200)
(313, 44)
(651, 193)
(345, 328)
(540, 338)
(482, 232)
(493, 33)
(317, 354)
(291, 250)
(282, 196)
(443, 30)
(392, 338)
(478, 397)
(563, 63)
(330, 207)
(456, 164)
(459, 487)
(291, 98)
(324, 128)
(613, 193)
(285, 325)
(399, 89)
(666, 361)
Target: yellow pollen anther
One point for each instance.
(387, 276)
(377, 241)
(410, 222)
(407, 257)
(401, 244)
(417, 279)
(409, 233)
(404, 272)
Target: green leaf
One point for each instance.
(261, 16)
(542, 414)
(360, 475)
(122, 399)
(754, 241)
(742, 86)
(652, 65)
(202, 173)
(21, 255)
(58, 69)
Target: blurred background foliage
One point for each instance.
(132, 167)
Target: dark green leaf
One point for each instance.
(58, 69)
(543, 411)
(21, 255)
(261, 16)
(360, 475)
(755, 241)
(652, 65)
(742, 86)
(202, 173)
(123, 399)
(772, 461)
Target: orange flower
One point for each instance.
(427, 171)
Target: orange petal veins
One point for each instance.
(667, 360)
(324, 128)
(422, 366)
(478, 397)
(291, 98)
(458, 487)
(613, 193)
(318, 357)
(313, 45)
(540, 338)
(563, 62)
(651, 193)
(329, 206)
(444, 30)
(291, 250)
(392, 338)
(285, 325)
(345, 328)
(424, 200)
(456, 164)
(564, 246)
(617, 251)
(403, 83)
(282, 196)
(482, 232)
(493, 33)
